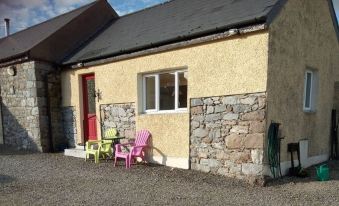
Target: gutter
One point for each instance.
(127, 54)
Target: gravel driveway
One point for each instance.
(53, 179)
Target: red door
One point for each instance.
(90, 126)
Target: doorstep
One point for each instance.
(75, 152)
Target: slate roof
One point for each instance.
(171, 22)
(56, 38)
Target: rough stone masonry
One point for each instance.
(24, 106)
(227, 134)
(119, 116)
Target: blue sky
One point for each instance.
(25, 13)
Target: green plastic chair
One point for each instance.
(103, 147)
(92, 148)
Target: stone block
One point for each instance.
(215, 133)
(212, 117)
(221, 155)
(240, 156)
(196, 102)
(252, 116)
(241, 108)
(195, 124)
(261, 102)
(254, 141)
(197, 110)
(230, 100)
(235, 169)
(231, 116)
(203, 155)
(213, 163)
(210, 110)
(218, 145)
(35, 111)
(204, 168)
(248, 100)
(252, 169)
(234, 141)
(220, 108)
(257, 127)
(257, 156)
(239, 129)
(198, 118)
(208, 101)
(200, 132)
(207, 140)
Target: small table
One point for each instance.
(115, 140)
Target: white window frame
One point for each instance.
(313, 91)
(157, 93)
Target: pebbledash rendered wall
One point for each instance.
(227, 135)
(302, 37)
(24, 106)
(225, 67)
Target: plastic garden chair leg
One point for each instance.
(126, 162)
(96, 157)
(115, 161)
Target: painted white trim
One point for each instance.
(157, 93)
(177, 162)
(308, 109)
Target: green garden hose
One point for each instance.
(273, 150)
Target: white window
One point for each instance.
(310, 90)
(165, 92)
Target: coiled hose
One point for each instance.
(273, 150)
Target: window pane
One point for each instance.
(150, 92)
(182, 90)
(308, 90)
(91, 96)
(167, 91)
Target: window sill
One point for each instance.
(309, 111)
(165, 112)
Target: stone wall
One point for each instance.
(119, 116)
(227, 134)
(69, 125)
(20, 107)
(25, 106)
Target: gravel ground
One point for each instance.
(53, 179)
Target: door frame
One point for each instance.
(84, 105)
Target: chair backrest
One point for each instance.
(112, 132)
(142, 137)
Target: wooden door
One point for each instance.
(89, 107)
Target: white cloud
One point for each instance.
(25, 13)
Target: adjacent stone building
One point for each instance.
(206, 78)
(30, 77)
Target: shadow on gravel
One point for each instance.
(312, 176)
(6, 179)
(6, 150)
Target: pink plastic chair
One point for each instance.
(137, 149)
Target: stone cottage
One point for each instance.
(206, 78)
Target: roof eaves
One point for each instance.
(167, 47)
(246, 23)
